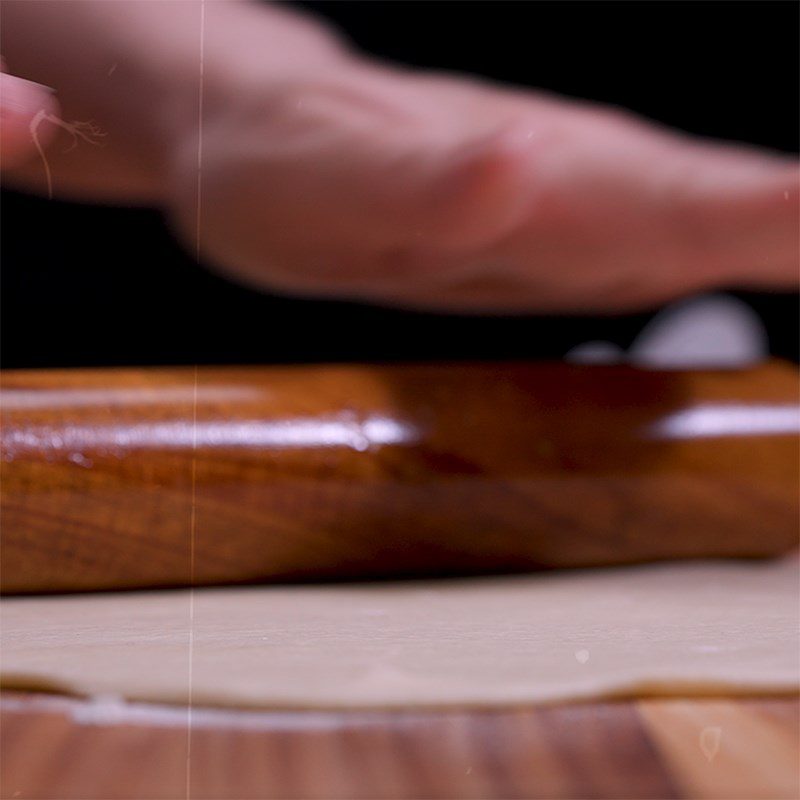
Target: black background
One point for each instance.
(105, 286)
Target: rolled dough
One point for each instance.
(666, 629)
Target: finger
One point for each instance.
(20, 103)
(736, 212)
(631, 215)
(730, 212)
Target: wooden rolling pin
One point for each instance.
(165, 477)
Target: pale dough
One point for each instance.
(674, 629)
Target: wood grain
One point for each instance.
(113, 478)
(56, 747)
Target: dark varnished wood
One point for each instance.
(56, 747)
(337, 471)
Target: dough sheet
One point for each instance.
(683, 629)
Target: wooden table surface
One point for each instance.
(63, 748)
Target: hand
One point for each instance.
(324, 173)
(426, 191)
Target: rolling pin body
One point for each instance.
(167, 477)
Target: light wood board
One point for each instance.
(58, 747)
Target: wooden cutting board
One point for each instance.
(59, 747)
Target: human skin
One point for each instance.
(20, 102)
(310, 168)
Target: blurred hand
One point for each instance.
(438, 192)
(322, 172)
